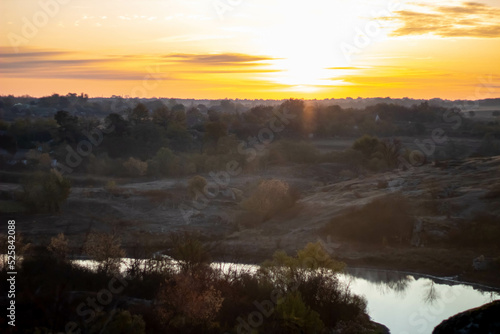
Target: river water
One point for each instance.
(406, 303)
(411, 303)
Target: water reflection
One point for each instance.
(410, 303)
(384, 280)
(405, 303)
(430, 294)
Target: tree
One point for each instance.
(139, 114)
(69, 129)
(299, 125)
(214, 131)
(187, 302)
(179, 138)
(391, 151)
(117, 124)
(167, 162)
(45, 191)
(106, 249)
(162, 116)
(190, 252)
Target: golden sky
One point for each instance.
(270, 49)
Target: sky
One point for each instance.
(251, 49)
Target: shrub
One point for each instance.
(105, 249)
(297, 316)
(311, 275)
(378, 155)
(390, 150)
(118, 322)
(271, 197)
(367, 145)
(196, 185)
(110, 186)
(188, 301)
(45, 191)
(135, 167)
(168, 162)
(59, 247)
(189, 251)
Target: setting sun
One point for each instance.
(250, 49)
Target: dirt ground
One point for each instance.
(147, 212)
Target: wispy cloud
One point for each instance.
(61, 64)
(34, 63)
(470, 19)
(222, 59)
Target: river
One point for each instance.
(407, 303)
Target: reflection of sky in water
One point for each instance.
(408, 305)
(404, 303)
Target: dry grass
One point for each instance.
(384, 220)
(155, 196)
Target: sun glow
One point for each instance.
(258, 49)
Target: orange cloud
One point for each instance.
(471, 19)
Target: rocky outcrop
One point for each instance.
(482, 320)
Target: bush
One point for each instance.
(188, 301)
(312, 290)
(45, 191)
(189, 251)
(297, 316)
(118, 322)
(135, 167)
(110, 186)
(378, 155)
(196, 185)
(59, 247)
(271, 197)
(105, 249)
(168, 163)
(367, 145)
